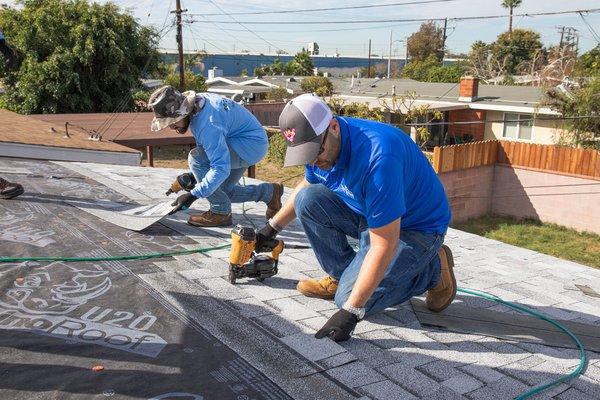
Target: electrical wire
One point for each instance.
(591, 29)
(377, 21)
(307, 10)
(243, 26)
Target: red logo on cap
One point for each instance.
(290, 134)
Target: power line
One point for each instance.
(321, 30)
(371, 21)
(331, 8)
(592, 31)
(242, 25)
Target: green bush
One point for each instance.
(278, 94)
(277, 148)
(320, 85)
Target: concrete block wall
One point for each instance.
(469, 192)
(565, 200)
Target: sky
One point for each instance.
(349, 39)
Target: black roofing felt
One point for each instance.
(59, 320)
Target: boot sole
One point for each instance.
(450, 259)
(17, 192)
(316, 296)
(209, 226)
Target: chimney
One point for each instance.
(468, 89)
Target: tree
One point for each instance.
(320, 85)
(244, 72)
(430, 70)
(75, 56)
(192, 81)
(578, 102)
(510, 4)
(426, 42)
(588, 63)
(300, 65)
(517, 48)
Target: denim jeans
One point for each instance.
(327, 221)
(230, 190)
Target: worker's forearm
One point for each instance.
(371, 273)
(287, 212)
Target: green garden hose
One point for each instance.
(534, 391)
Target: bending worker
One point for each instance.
(369, 181)
(229, 139)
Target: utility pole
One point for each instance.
(569, 39)
(369, 64)
(390, 57)
(179, 38)
(444, 40)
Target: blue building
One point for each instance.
(234, 64)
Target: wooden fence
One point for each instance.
(566, 160)
(463, 156)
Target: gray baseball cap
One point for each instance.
(303, 122)
(170, 106)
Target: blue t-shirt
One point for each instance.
(383, 175)
(222, 124)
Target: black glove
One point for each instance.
(265, 239)
(183, 202)
(339, 327)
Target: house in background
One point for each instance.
(493, 112)
(252, 89)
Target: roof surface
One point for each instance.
(488, 94)
(27, 130)
(256, 338)
(131, 129)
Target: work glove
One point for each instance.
(339, 327)
(183, 202)
(265, 238)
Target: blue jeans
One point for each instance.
(327, 221)
(230, 191)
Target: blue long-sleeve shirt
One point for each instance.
(220, 125)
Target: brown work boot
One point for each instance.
(324, 288)
(275, 204)
(210, 219)
(441, 295)
(8, 190)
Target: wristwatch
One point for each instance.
(359, 312)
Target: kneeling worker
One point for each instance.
(229, 139)
(369, 181)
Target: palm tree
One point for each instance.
(510, 4)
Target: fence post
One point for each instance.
(437, 159)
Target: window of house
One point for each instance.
(517, 126)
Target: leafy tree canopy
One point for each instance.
(74, 56)
(518, 48)
(588, 63)
(320, 85)
(430, 70)
(300, 65)
(426, 42)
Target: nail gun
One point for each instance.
(182, 182)
(244, 260)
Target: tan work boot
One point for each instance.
(441, 295)
(275, 204)
(324, 288)
(210, 219)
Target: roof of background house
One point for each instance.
(24, 136)
(130, 129)
(494, 96)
